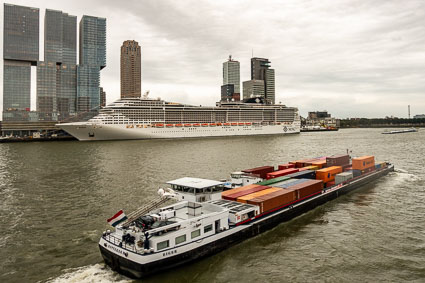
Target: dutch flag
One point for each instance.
(117, 218)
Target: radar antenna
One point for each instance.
(146, 94)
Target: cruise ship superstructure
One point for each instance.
(144, 118)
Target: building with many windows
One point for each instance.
(60, 37)
(131, 69)
(231, 88)
(260, 70)
(253, 88)
(92, 60)
(20, 52)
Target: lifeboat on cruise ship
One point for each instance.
(226, 124)
(219, 124)
(213, 124)
(130, 126)
(169, 125)
(196, 125)
(179, 125)
(204, 124)
(277, 123)
(234, 124)
(139, 126)
(241, 124)
(264, 123)
(159, 125)
(248, 124)
(188, 125)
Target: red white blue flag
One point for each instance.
(117, 218)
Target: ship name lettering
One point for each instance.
(169, 253)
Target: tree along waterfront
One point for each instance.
(381, 123)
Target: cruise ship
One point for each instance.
(145, 118)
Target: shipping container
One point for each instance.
(364, 162)
(273, 181)
(260, 171)
(356, 173)
(328, 174)
(349, 168)
(320, 164)
(285, 166)
(257, 194)
(367, 170)
(338, 160)
(343, 177)
(274, 200)
(317, 159)
(281, 173)
(307, 188)
(241, 193)
(330, 184)
(235, 190)
(291, 183)
(377, 166)
(307, 174)
(311, 167)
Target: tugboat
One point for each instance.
(207, 217)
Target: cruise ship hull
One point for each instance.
(86, 131)
(135, 265)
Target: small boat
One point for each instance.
(204, 124)
(234, 124)
(411, 130)
(188, 125)
(213, 124)
(196, 125)
(179, 125)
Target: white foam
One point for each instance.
(403, 175)
(92, 273)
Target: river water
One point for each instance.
(56, 197)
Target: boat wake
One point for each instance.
(405, 176)
(91, 273)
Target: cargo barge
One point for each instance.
(208, 218)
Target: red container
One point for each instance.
(330, 184)
(286, 166)
(338, 160)
(273, 200)
(248, 191)
(307, 188)
(261, 171)
(281, 173)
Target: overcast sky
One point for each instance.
(352, 58)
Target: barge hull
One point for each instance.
(253, 228)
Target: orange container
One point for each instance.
(235, 190)
(364, 162)
(320, 164)
(257, 194)
(328, 174)
(273, 200)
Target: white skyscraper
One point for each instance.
(231, 88)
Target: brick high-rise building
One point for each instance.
(131, 69)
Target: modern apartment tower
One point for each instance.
(56, 76)
(20, 52)
(231, 88)
(253, 88)
(131, 69)
(92, 60)
(260, 70)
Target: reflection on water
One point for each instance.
(56, 198)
